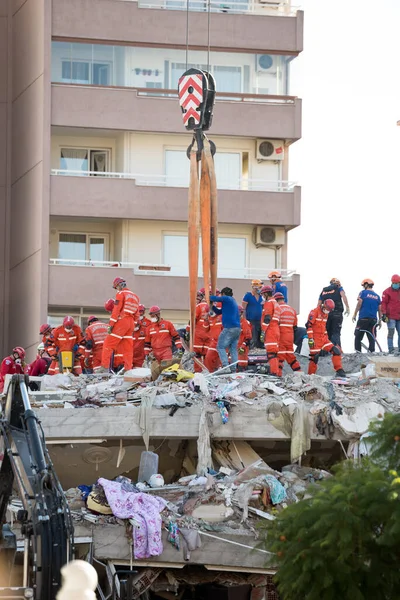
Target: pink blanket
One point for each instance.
(145, 508)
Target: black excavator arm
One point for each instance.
(45, 519)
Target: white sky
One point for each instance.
(347, 161)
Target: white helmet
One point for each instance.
(41, 347)
(156, 481)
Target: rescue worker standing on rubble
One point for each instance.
(67, 337)
(213, 325)
(270, 327)
(275, 280)
(244, 341)
(229, 336)
(391, 311)
(335, 292)
(287, 329)
(12, 365)
(318, 338)
(368, 307)
(139, 338)
(160, 335)
(121, 326)
(95, 334)
(252, 304)
(201, 338)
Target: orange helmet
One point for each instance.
(275, 275)
(367, 282)
(335, 281)
(256, 282)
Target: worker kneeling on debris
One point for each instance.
(160, 336)
(318, 338)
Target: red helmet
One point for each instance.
(45, 328)
(329, 304)
(109, 305)
(20, 351)
(279, 296)
(267, 289)
(91, 319)
(141, 308)
(396, 279)
(118, 281)
(68, 322)
(154, 310)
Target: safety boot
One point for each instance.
(340, 373)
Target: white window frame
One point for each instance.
(91, 64)
(212, 67)
(93, 234)
(89, 150)
(244, 236)
(78, 314)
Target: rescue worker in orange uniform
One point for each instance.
(246, 334)
(121, 326)
(12, 365)
(287, 328)
(318, 338)
(200, 341)
(67, 337)
(95, 334)
(117, 358)
(270, 328)
(139, 338)
(160, 336)
(213, 326)
(45, 333)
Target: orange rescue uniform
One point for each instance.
(139, 338)
(95, 335)
(270, 326)
(316, 330)
(214, 327)
(246, 334)
(159, 338)
(287, 325)
(64, 341)
(200, 341)
(122, 321)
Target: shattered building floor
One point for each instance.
(233, 451)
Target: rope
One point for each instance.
(208, 35)
(187, 33)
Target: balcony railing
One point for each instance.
(168, 270)
(252, 185)
(253, 7)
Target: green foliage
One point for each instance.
(344, 542)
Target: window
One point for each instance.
(73, 247)
(79, 160)
(231, 255)
(86, 72)
(228, 169)
(229, 79)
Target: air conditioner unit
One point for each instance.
(268, 236)
(266, 63)
(270, 150)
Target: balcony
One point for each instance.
(162, 198)
(273, 26)
(87, 285)
(137, 109)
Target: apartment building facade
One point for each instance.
(93, 181)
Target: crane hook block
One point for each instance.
(196, 98)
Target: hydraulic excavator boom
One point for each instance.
(45, 519)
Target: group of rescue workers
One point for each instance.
(224, 332)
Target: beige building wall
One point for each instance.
(5, 166)
(30, 175)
